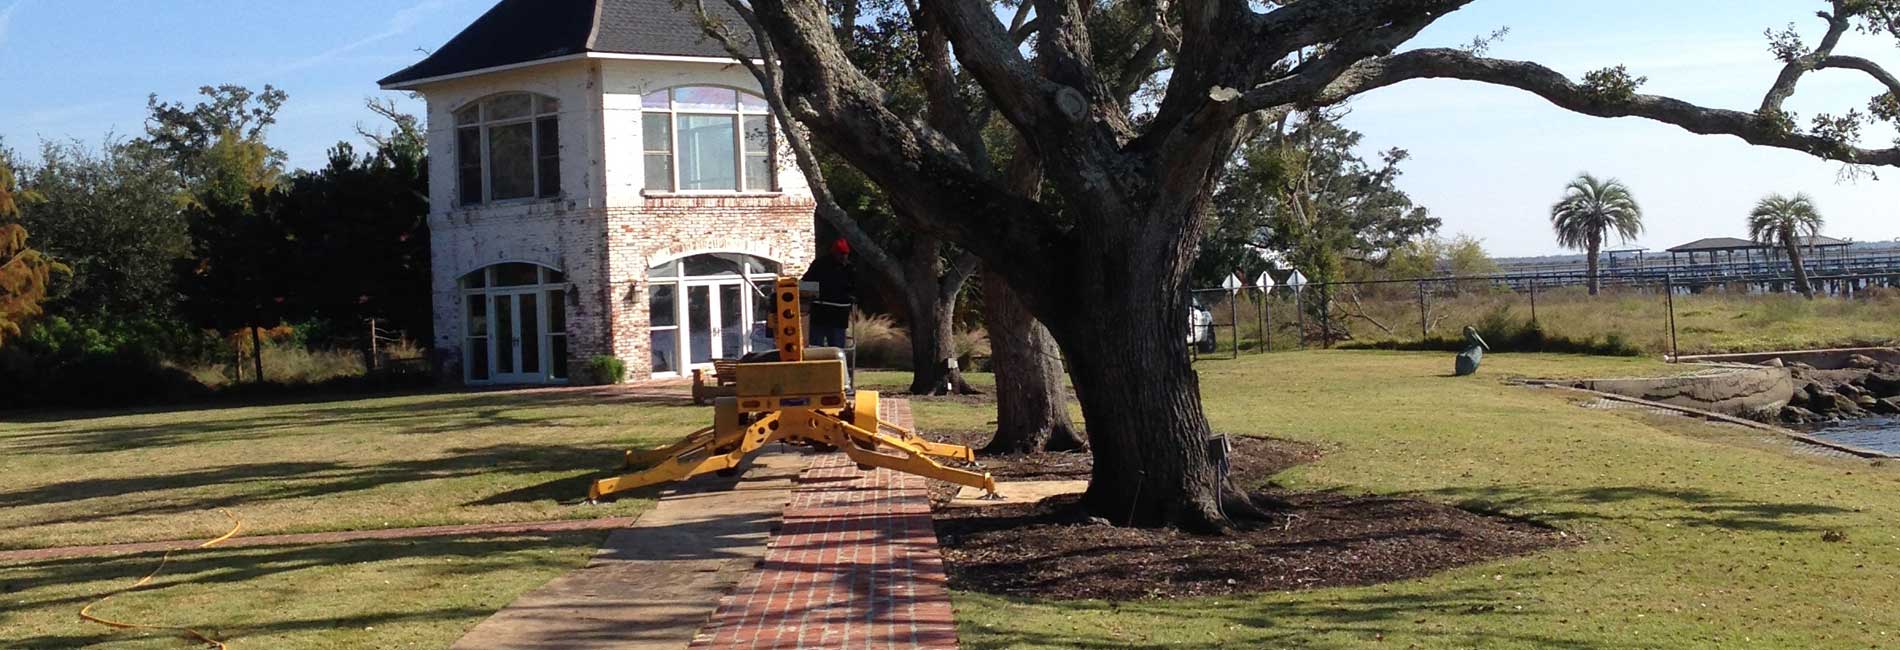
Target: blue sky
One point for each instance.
(1489, 161)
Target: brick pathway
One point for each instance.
(855, 565)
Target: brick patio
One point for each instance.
(855, 565)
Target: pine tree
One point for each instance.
(24, 272)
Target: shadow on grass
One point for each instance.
(262, 482)
(473, 557)
(1456, 617)
(1694, 507)
(447, 414)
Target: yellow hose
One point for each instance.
(86, 612)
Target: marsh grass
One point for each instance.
(1622, 320)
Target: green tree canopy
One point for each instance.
(1305, 195)
(113, 215)
(1787, 222)
(1591, 210)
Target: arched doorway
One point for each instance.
(516, 327)
(705, 307)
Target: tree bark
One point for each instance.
(1800, 271)
(1591, 262)
(257, 353)
(1032, 406)
(1141, 398)
(932, 343)
(930, 294)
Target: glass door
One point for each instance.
(516, 337)
(719, 323)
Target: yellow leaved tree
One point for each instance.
(24, 272)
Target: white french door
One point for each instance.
(719, 319)
(516, 327)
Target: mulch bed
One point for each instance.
(1051, 550)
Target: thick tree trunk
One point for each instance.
(930, 293)
(1032, 406)
(257, 353)
(932, 346)
(1591, 263)
(1141, 398)
(1801, 283)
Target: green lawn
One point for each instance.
(96, 478)
(369, 594)
(350, 465)
(1696, 536)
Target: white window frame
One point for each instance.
(738, 113)
(546, 282)
(537, 110)
(759, 275)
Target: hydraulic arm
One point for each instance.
(803, 398)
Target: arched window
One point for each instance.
(707, 138)
(508, 147)
(705, 307)
(516, 332)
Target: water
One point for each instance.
(1879, 433)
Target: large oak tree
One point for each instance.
(1102, 253)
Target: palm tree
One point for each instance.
(1590, 210)
(1783, 221)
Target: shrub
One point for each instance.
(970, 344)
(1504, 332)
(605, 369)
(882, 343)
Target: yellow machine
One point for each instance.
(801, 399)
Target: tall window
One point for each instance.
(516, 330)
(705, 138)
(508, 147)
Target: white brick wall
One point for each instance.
(606, 230)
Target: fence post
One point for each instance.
(1533, 299)
(1669, 290)
(372, 344)
(1424, 328)
(1233, 308)
(1326, 316)
(1299, 309)
(1266, 336)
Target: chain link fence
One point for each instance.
(1662, 316)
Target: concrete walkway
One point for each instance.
(655, 583)
(855, 566)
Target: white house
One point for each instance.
(602, 181)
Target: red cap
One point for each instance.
(841, 246)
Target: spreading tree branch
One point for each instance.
(1554, 87)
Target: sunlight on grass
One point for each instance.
(1696, 536)
(367, 594)
(346, 465)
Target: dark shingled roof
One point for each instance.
(523, 31)
(1715, 244)
(1734, 244)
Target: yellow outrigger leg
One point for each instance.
(802, 399)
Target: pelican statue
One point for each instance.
(1474, 352)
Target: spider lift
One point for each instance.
(802, 398)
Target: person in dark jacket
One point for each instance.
(831, 311)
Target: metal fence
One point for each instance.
(1633, 314)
